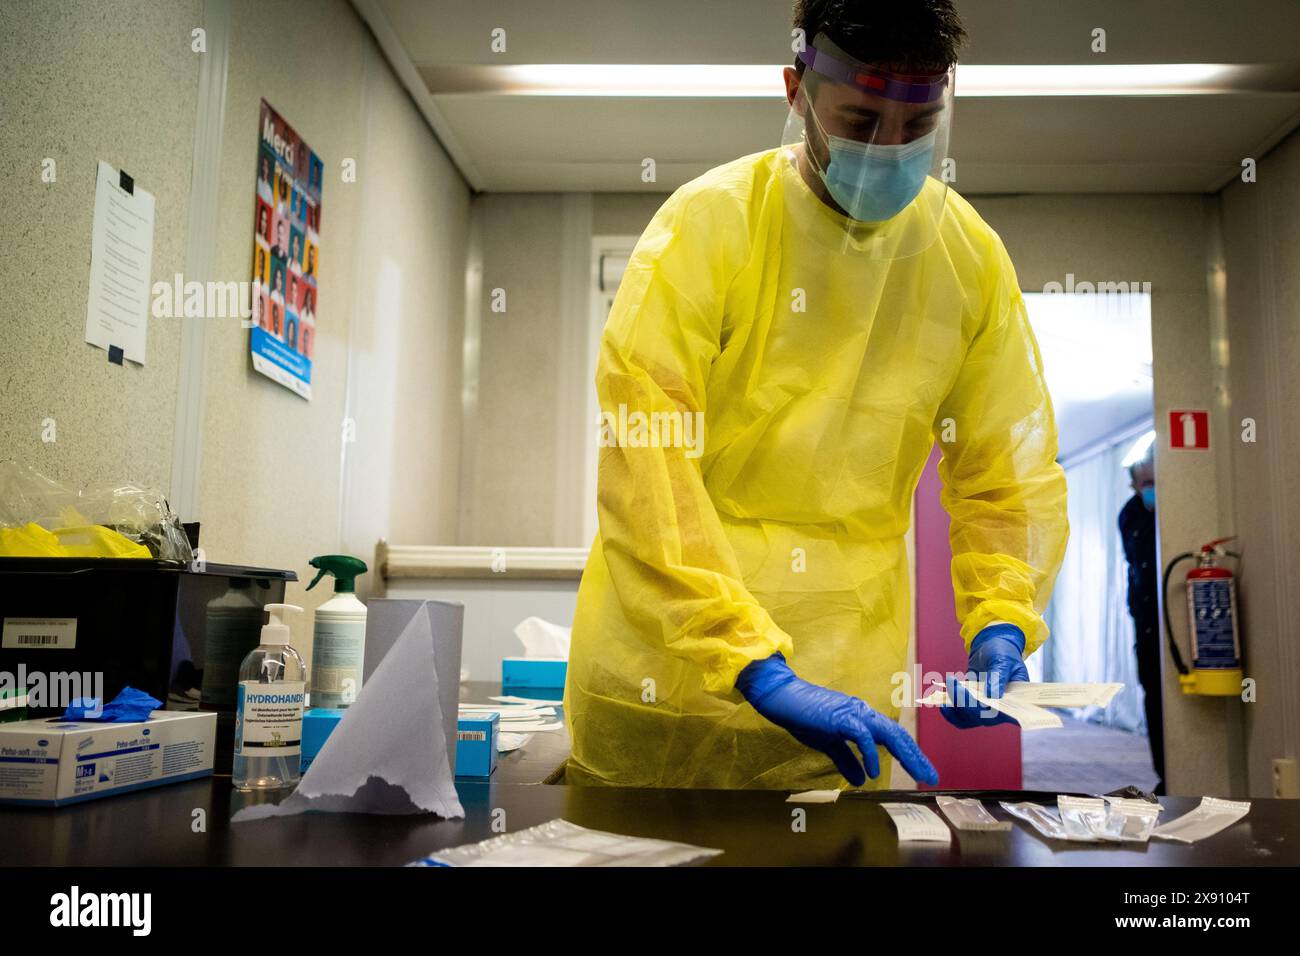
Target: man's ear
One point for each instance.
(793, 83)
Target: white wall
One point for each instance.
(1262, 254)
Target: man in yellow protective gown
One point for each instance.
(794, 332)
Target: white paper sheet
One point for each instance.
(508, 699)
(508, 711)
(1045, 694)
(534, 725)
(1029, 716)
(506, 742)
(1051, 694)
(121, 256)
(389, 752)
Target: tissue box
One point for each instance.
(53, 762)
(476, 745)
(317, 725)
(533, 672)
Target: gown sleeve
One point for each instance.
(1002, 486)
(671, 564)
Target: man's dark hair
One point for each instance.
(913, 36)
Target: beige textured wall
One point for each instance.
(270, 472)
(117, 82)
(510, 500)
(403, 471)
(623, 214)
(1262, 250)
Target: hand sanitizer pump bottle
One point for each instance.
(268, 716)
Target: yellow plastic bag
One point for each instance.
(89, 541)
(44, 518)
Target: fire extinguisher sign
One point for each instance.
(1189, 429)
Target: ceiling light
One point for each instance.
(763, 81)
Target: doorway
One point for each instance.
(1096, 351)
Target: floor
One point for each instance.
(1085, 758)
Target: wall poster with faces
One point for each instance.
(286, 254)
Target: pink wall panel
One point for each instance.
(985, 759)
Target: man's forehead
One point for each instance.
(852, 99)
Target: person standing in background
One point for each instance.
(1137, 528)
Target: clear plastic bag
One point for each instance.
(969, 814)
(561, 843)
(1042, 819)
(41, 517)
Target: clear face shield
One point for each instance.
(870, 145)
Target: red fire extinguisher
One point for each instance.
(1212, 624)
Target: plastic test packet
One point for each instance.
(966, 813)
(1090, 819)
(1213, 814)
(1138, 818)
(561, 843)
(917, 823)
(1043, 819)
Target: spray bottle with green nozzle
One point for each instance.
(339, 635)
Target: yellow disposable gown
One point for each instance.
(823, 380)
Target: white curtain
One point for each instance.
(1091, 630)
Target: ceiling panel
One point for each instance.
(439, 32)
(1068, 144)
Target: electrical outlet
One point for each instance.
(1284, 778)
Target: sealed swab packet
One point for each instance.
(1043, 819)
(966, 813)
(561, 843)
(1214, 814)
(917, 823)
(1136, 819)
(1086, 819)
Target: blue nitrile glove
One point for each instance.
(996, 659)
(827, 720)
(130, 705)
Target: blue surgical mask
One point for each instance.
(875, 183)
(1149, 496)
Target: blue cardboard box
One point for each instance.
(533, 672)
(317, 725)
(476, 745)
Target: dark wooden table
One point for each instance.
(157, 827)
